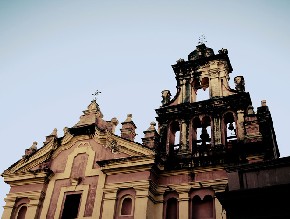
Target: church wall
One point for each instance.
(101, 153)
(210, 175)
(79, 175)
(93, 182)
(82, 175)
(24, 188)
(54, 198)
(128, 177)
(195, 176)
(173, 179)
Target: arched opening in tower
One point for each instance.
(230, 131)
(201, 136)
(203, 92)
(174, 137)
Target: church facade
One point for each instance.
(175, 173)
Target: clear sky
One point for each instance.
(55, 54)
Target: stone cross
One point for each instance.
(96, 94)
(201, 40)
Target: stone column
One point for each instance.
(159, 209)
(32, 208)
(184, 137)
(214, 83)
(240, 125)
(8, 208)
(217, 131)
(183, 204)
(181, 97)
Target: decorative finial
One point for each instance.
(152, 126)
(96, 94)
(54, 132)
(33, 146)
(129, 118)
(201, 40)
(65, 130)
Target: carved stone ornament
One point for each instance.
(112, 144)
(223, 51)
(180, 60)
(213, 73)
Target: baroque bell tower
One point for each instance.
(222, 129)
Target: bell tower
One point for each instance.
(210, 131)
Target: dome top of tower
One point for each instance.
(201, 51)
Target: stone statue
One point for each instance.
(165, 96)
(240, 83)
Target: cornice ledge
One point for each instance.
(133, 146)
(121, 164)
(26, 177)
(26, 163)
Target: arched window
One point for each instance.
(203, 92)
(126, 206)
(20, 208)
(21, 212)
(196, 202)
(202, 209)
(202, 204)
(196, 130)
(171, 209)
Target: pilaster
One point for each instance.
(240, 125)
(217, 131)
(183, 202)
(109, 205)
(141, 202)
(184, 136)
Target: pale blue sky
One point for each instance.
(55, 54)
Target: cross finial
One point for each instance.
(96, 94)
(201, 40)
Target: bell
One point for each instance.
(204, 135)
(231, 127)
